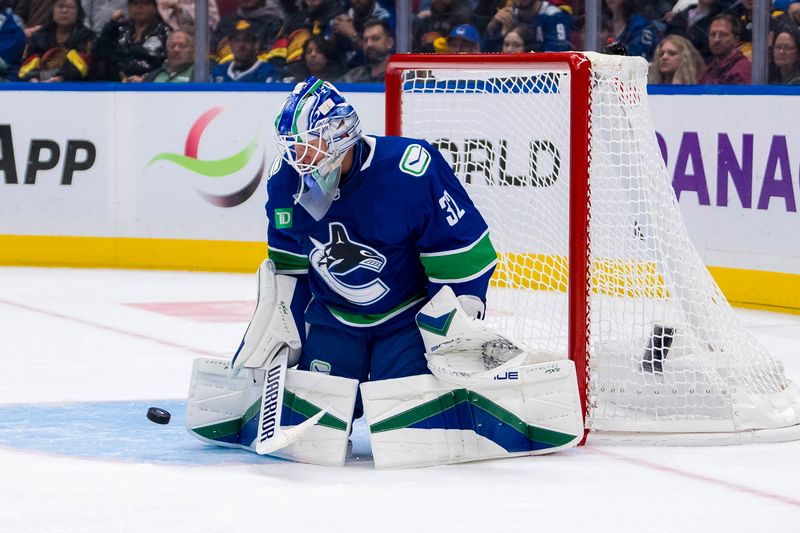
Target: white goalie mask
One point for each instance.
(314, 130)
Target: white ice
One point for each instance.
(72, 351)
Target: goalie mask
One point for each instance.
(314, 129)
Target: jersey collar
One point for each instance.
(371, 143)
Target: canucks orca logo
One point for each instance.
(341, 257)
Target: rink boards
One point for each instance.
(175, 179)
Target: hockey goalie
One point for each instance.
(374, 292)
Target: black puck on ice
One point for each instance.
(158, 415)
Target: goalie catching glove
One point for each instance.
(465, 350)
(272, 328)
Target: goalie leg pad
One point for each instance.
(423, 420)
(224, 405)
(219, 401)
(307, 393)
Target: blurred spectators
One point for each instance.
(128, 50)
(464, 39)
(784, 66)
(179, 14)
(787, 14)
(317, 60)
(637, 34)
(347, 28)
(728, 65)
(288, 50)
(362, 11)
(61, 50)
(742, 10)
(377, 44)
(100, 12)
(244, 66)
(431, 28)
(484, 11)
(34, 13)
(520, 38)
(298, 38)
(179, 66)
(266, 17)
(550, 25)
(655, 10)
(693, 23)
(676, 61)
(316, 16)
(12, 43)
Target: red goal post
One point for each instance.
(580, 111)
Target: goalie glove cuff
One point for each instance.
(472, 306)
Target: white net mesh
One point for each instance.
(665, 351)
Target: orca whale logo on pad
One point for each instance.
(341, 256)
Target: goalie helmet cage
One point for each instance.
(558, 152)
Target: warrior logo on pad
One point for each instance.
(342, 257)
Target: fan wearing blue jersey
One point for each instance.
(372, 228)
(549, 24)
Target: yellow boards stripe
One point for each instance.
(614, 277)
(747, 288)
(108, 252)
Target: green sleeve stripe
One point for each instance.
(463, 264)
(288, 262)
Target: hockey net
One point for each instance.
(559, 154)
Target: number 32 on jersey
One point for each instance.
(454, 213)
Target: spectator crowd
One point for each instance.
(686, 41)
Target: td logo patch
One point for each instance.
(283, 218)
(415, 160)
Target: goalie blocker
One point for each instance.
(488, 397)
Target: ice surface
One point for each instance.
(83, 353)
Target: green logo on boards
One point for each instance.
(415, 160)
(283, 218)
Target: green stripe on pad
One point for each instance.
(308, 409)
(230, 427)
(292, 401)
(451, 399)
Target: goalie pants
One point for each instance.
(368, 354)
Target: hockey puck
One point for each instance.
(158, 415)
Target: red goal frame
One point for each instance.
(580, 158)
